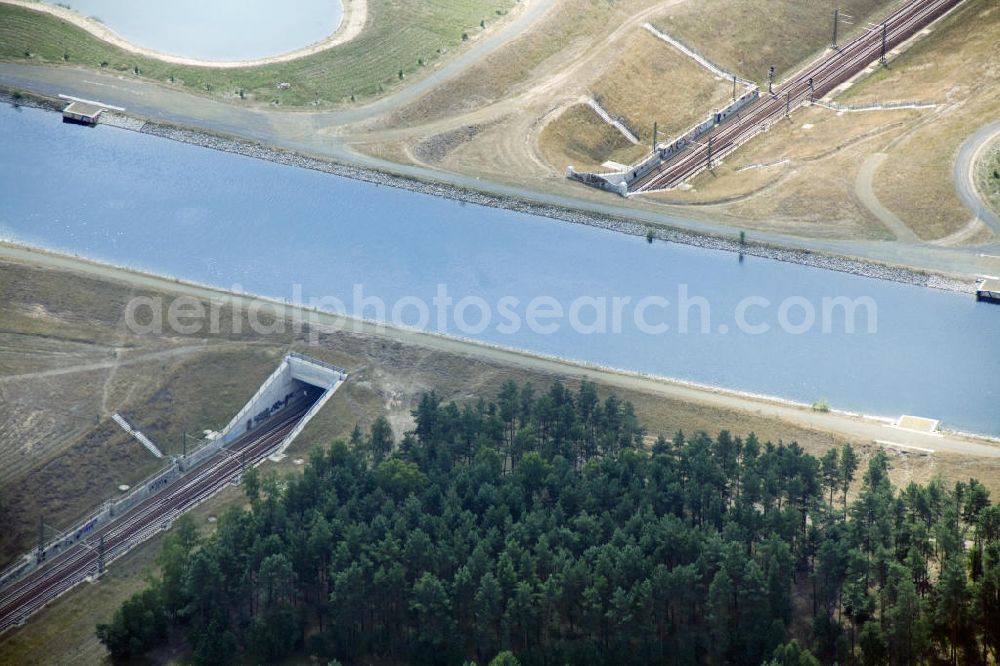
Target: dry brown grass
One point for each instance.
(956, 64)
(394, 151)
(64, 482)
(816, 133)
(723, 185)
(641, 79)
(648, 82)
(567, 32)
(60, 454)
(748, 36)
(387, 377)
(799, 177)
(652, 81)
(579, 137)
(917, 180)
(817, 200)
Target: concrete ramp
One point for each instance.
(917, 424)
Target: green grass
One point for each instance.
(748, 36)
(821, 405)
(399, 34)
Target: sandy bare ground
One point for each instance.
(353, 21)
(851, 427)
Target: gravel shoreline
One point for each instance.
(256, 150)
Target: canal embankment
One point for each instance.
(744, 246)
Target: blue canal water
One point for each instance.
(228, 220)
(217, 29)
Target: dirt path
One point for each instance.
(298, 131)
(113, 365)
(325, 135)
(848, 426)
(355, 16)
(865, 192)
(568, 84)
(963, 235)
(120, 333)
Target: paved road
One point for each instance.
(301, 131)
(297, 131)
(965, 174)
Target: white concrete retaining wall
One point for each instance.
(282, 389)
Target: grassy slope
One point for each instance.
(746, 37)
(650, 82)
(653, 81)
(581, 138)
(386, 378)
(399, 33)
(569, 30)
(199, 392)
(60, 455)
(44, 305)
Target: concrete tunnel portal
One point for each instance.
(300, 381)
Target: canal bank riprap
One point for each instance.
(483, 272)
(253, 149)
(620, 225)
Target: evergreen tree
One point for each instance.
(848, 466)
(538, 528)
(380, 439)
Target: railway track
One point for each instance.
(826, 74)
(27, 595)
